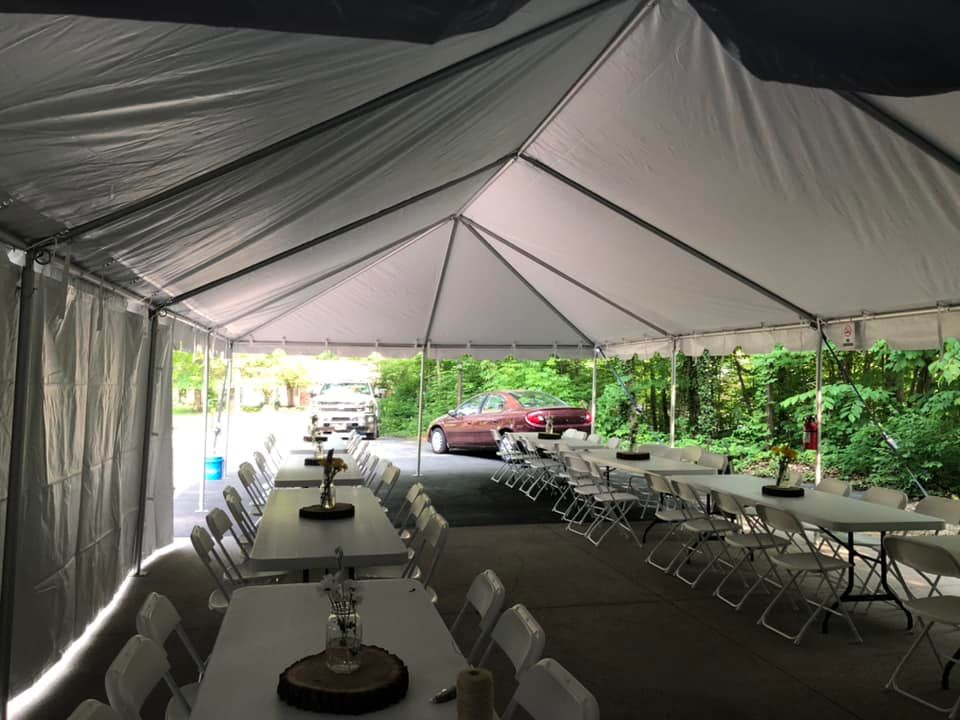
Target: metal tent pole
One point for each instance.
(818, 469)
(206, 413)
(673, 394)
(593, 392)
(423, 370)
(147, 437)
(226, 423)
(26, 357)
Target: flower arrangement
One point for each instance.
(784, 455)
(344, 631)
(332, 466)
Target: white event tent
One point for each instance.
(583, 175)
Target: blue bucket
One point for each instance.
(213, 467)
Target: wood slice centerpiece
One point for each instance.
(319, 512)
(381, 681)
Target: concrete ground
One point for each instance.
(645, 644)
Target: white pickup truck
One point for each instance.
(344, 406)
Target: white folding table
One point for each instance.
(835, 515)
(287, 542)
(293, 472)
(268, 628)
(656, 464)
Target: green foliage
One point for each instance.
(738, 405)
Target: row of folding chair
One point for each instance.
(142, 664)
(545, 690)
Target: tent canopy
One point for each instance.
(583, 173)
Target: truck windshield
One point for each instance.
(357, 388)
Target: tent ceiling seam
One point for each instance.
(576, 283)
(391, 249)
(921, 142)
(443, 274)
(664, 235)
(611, 47)
(353, 225)
(359, 111)
(528, 285)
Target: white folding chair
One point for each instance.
(613, 443)
(415, 545)
(248, 478)
(713, 460)
(219, 599)
(703, 530)
(93, 710)
(416, 511)
(887, 497)
(270, 445)
(595, 439)
(134, 673)
(691, 453)
(749, 542)
(403, 512)
(798, 566)
(931, 560)
(266, 474)
(548, 692)
(220, 525)
(668, 512)
(240, 515)
(158, 619)
(434, 536)
(485, 597)
(519, 636)
(389, 475)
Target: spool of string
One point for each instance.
(475, 694)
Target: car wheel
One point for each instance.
(438, 441)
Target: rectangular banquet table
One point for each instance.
(286, 542)
(838, 516)
(656, 464)
(268, 628)
(293, 473)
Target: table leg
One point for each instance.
(945, 678)
(306, 576)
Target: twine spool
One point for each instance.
(475, 694)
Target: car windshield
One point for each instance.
(537, 399)
(357, 388)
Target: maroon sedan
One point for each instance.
(470, 425)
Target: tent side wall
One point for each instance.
(79, 490)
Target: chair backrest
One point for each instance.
(727, 503)
(595, 438)
(520, 637)
(203, 545)
(240, 515)
(133, 675)
(571, 434)
(947, 509)
(486, 596)
(713, 460)
(781, 520)
(261, 462)
(613, 443)
(371, 468)
(834, 487)
(575, 464)
(885, 496)
(691, 453)
(93, 710)
(925, 557)
(671, 453)
(547, 691)
(219, 525)
(158, 618)
(659, 484)
(434, 535)
(388, 479)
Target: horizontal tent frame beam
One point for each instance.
(529, 286)
(347, 116)
(664, 235)
(391, 249)
(919, 141)
(573, 281)
(417, 346)
(355, 224)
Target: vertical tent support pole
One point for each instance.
(18, 462)
(206, 406)
(147, 437)
(423, 370)
(673, 393)
(818, 468)
(226, 422)
(593, 392)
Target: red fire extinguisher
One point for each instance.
(811, 433)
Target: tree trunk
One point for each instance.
(665, 409)
(459, 384)
(290, 390)
(693, 396)
(771, 411)
(743, 385)
(197, 401)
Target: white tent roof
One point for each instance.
(583, 173)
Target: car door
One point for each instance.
(490, 419)
(459, 427)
